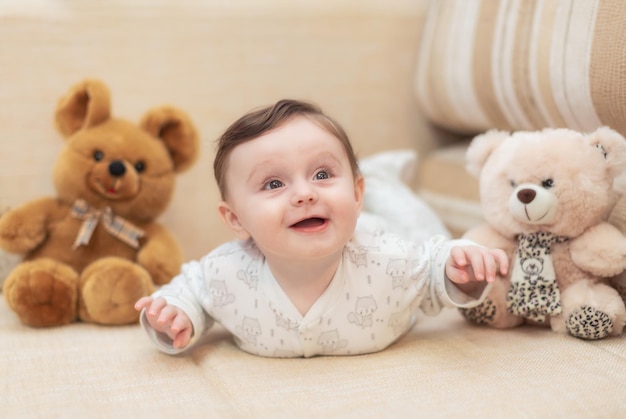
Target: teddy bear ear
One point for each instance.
(613, 146)
(175, 128)
(86, 104)
(481, 148)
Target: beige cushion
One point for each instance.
(523, 65)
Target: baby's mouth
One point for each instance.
(310, 223)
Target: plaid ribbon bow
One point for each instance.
(115, 225)
(534, 292)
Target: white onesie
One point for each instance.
(381, 283)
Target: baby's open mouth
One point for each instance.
(310, 223)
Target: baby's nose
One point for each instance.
(304, 194)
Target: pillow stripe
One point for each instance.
(608, 65)
(460, 52)
(570, 63)
(522, 67)
(540, 62)
(438, 82)
(441, 69)
(503, 62)
(482, 67)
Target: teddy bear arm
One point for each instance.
(26, 227)
(601, 250)
(160, 254)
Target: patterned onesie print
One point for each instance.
(380, 284)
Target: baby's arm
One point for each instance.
(468, 266)
(168, 319)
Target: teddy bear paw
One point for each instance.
(109, 289)
(588, 323)
(43, 293)
(482, 315)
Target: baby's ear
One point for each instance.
(481, 148)
(359, 190)
(232, 221)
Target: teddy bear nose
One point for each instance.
(526, 196)
(117, 168)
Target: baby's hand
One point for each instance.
(168, 319)
(474, 263)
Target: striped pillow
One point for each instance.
(523, 64)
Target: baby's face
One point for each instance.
(292, 190)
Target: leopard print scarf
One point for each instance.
(534, 293)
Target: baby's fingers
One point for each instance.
(142, 303)
(180, 323)
(168, 315)
(494, 259)
(182, 339)
(480, 265)
(491, 267)
(502, 260)
(158, 304)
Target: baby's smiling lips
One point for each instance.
(310, 224)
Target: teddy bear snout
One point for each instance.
(117, 168)
(532, 204)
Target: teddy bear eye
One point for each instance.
(98, 155)
(513, 184)
(602, 150)
(140, 166)
(548, 183)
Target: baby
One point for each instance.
(303, 279)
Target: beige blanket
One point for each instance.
(443, 368)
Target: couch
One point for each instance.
(396, 74)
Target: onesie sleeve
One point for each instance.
(441, 291)
(182, 292)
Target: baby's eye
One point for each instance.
(322, 174)
(273, 184)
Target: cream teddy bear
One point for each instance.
(546, 197)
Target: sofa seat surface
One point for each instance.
(443, 368)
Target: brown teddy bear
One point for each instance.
(546, 197)
(92, 250)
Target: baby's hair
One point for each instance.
(260, 121)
